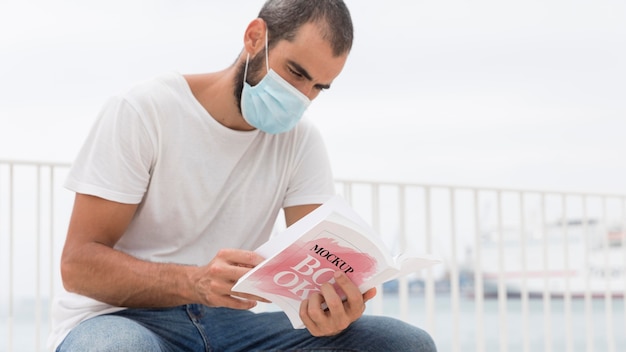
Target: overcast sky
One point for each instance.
(525, 94)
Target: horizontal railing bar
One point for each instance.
(34, 163)
(481, 188)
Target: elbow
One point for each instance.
(69, 274)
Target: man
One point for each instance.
(182, 177)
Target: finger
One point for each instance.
(227, 272)
(354, 298)
(235, 303)
(332, 299)
(369, 294)
(218, 293)
(306, 318)
(314, 307)
(240, 257)
(250, 297)
(311, 313)
(337, 316)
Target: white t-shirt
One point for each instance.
(201, 186)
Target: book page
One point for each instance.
(405, 264)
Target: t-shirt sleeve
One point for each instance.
(116, 159)
(312, 179)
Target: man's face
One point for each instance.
(307, 63)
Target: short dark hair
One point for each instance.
(285, 17)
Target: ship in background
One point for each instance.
(578, 258)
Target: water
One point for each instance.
(445, 327)
(26, 336)
(509, 336)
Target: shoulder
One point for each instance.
(145, 103)
(161, 95)
(168, 84)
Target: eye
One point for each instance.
(294, 72)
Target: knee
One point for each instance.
(423, 340)
(102, 334)
(395, 335)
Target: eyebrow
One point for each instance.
(306, 74)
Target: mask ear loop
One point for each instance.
(245, 70)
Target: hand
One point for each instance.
(214, 281)
(340, 313)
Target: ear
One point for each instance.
(254, 37)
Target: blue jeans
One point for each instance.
(199, 328)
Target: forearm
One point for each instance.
(116, 278)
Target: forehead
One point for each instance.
(311, 51)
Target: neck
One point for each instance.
(215, 92)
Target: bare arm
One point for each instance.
(293, 214)
(91, 267)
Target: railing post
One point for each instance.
(502, 291)
(546, 289)
(608, 294)
(524, 267)
(566, 266)
(454, 273)
(429, 284)
(38, 260)
(588, 304)
(10, 319)
(479, 294)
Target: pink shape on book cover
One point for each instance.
(304, 266)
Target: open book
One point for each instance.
(305, 255)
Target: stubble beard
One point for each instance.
(255, 66)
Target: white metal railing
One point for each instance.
(31, 207)
(551, 264)
(523, 270)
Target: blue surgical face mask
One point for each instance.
(273, 105)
